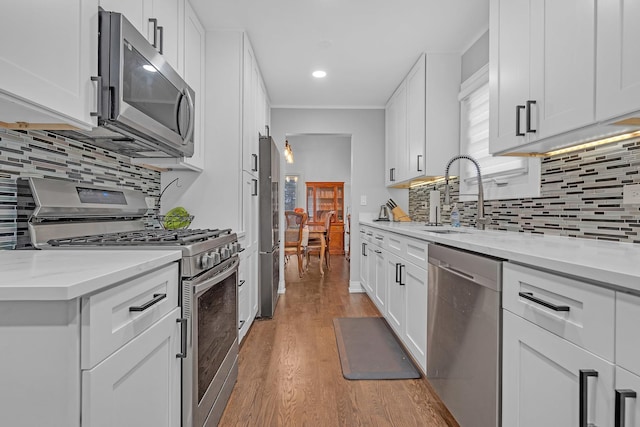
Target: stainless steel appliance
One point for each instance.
(145, 109)
(463, 335)
(269, 235)
(68, 215)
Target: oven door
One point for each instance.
(210, 305)
(145, 95)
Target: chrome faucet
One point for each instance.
(482, 220)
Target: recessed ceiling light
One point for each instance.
(149, 68)
(319, 74)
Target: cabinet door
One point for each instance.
(562, 65)
(364, 269)
(509, 72)
(396, 136)
(618, 85)
(416, 119)
(250, 209)
(48, 53)
(625, 380)
(170, 16)
(194, 74)
(378, 278)
(139, 384)
(541, 381)
(249, 135)
(395, 295)
(416, 288)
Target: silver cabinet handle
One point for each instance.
(529, 104)
(156, 299)
(377, 251)
(255, 162)
(241, 283)
(584, 399)
(161, 32)
(183, 349)
(241, 324)
(621, 395)
(418, 166)
(255, 187)
(529, 296)
(154, 21)
(518, 108)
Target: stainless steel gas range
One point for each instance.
(68, 215)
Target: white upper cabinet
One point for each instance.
(48, 54)
(396, 137)
(194, 75)
(422, 120)
(255, 108)
(161, 21)
(542, 75)
(618, 88)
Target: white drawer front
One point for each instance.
(589, 320)
(107, 321)
(396, 244)
(416, 252)
(627, 333)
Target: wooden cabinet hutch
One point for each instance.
(323, 197)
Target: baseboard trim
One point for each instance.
(355, 287)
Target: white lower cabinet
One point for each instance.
(396, 294)
(416, 288)
(542, 379)
(139, 384)
(406, 296)
(377, 278)
(247, 291)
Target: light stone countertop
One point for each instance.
(613, 264)
(40, 275)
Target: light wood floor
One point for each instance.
(289, 370)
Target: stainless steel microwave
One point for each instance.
(145, 109)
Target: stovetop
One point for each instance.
(143, 238)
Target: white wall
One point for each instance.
(320, 158)
(366, 128)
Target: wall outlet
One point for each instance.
(363, 200)
(631, 194)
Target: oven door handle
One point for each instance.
(212, 281)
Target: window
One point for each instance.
(503, 177)
(290, 192)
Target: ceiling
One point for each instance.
(365, 46)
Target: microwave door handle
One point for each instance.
(192, 116)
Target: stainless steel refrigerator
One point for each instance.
(268, 221)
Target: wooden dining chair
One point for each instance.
(296, 221)
(315, 245)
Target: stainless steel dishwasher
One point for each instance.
(463, 334)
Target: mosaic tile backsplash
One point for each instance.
(580, 196)
(35, 153)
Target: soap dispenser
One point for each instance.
(455, 216)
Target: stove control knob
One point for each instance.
(216, 258)
(226, 253)
(233, 248)
(206, 261)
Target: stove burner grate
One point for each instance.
(143, 237)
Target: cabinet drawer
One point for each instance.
(627, 321)
(583, 314)
(108, 321)
(416, 252)
(396, 244)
